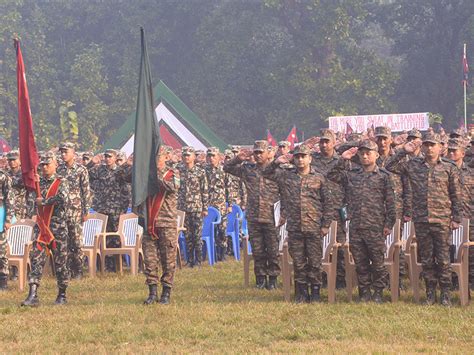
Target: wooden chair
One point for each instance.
(408, 236)
(19, 241)
(349, 265)
(460, 240)
(286, 263)
(130, 234)
(180, 221)
(94, 225)
(392, 259)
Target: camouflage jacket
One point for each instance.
(435, 193)
(306, 199)
(60, 201)
(193, 190)
(262, 193)
(167, 217)
(322, 165)
(218, 188)
(79, 189)
(7, 197)
(24, 200)
(371, 197)
(236, 190)
(467, 185)
(108, 191)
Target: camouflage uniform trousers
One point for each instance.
(74, 242)
(306, 250)
(221, 240)
(60, 253)
(263, 239)
(193, 234)
(164, 250)
(340, 238)
(112, 241)
(368, 250)
(471, 253)
(3, 255)
(433, 240)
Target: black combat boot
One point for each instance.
(14, 273)
(272, 283)
(315, 294)
(152, 295)
(301, 293)
(261, 282)
(3, 283)
(445, 298)
(61, 298)
(430, 296)
(364, 295)
(165, 295)
(377, 297)
(32, 300)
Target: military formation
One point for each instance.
(366, 182)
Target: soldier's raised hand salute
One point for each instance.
(350, 153)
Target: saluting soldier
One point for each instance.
(52, 210)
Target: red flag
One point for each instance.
(349, 130)
(292, 138)
(28, 153)
(271, 141)
(465, 68)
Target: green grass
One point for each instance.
(211, 311)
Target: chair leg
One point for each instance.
(21, 277)
(133, 263)
(331, 275)
(286, 274)
(394, 282)
(120, 263)
(102, 263)
(92, 262)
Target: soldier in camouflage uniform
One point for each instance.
(284, 148)
(456, 152)
(309, 210)
(107, 180)
(24, 201)
(372, 214)
(218, 197)
(322, 162)
(79, 198)
(162, 246)
(58, 227)
(236, 188)
(436, 197)
(7, 201)
(262, 195)
(192, 199)
(126, 187)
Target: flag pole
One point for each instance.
(465, 96)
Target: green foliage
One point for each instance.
(68, 121)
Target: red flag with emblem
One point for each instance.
(271, 141)
(292, 137)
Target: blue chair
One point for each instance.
(234, 219)
(208, 235)
(182, 246)
(245, 232)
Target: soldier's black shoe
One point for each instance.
(365, 296)
(340, 283)
(165, 295)
(315, 294)
(32, 300)
(61, 298)
(430, 296)
(272, 283)
(152, 295)
(377, 297)
(261, 282)
(14, 273)
(3, 283)
(301, 293)
(445, 298)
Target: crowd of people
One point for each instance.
(371, 179)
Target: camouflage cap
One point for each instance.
(235, 148)
(121, 155)
(368, 144)
(444, 139)
(47, 157)
(67, 145)
(382, 131)
(166, 149)
(87, 155)
(228, 153)
(414, 133)
(284, 144)
(456, 143)
(187, 150)
(13, 154)
(213, 151)
(328, 134)
(456, 133)
(260, 146)
(355, 137)
(302, 149)
(431, 138)
(111, 152)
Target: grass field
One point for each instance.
(212, 312)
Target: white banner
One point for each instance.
(396, 121)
